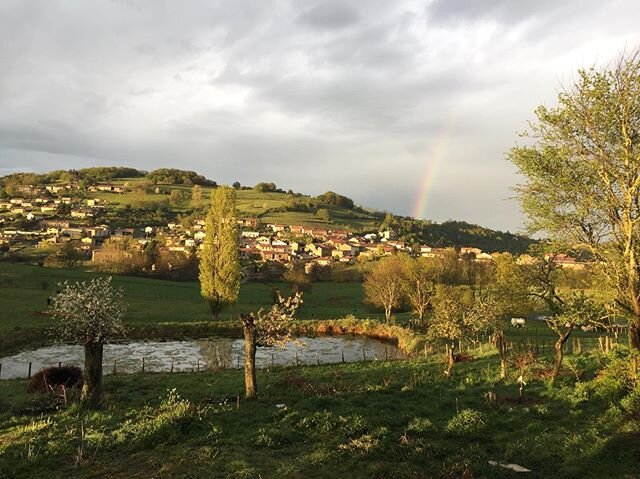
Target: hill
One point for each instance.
(138, 198)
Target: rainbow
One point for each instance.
(433, 159)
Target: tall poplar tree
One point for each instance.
(219, 258)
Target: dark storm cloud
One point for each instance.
(359, 97)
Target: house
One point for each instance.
(249, 222)
(124, 232)
(55, 188)
(73, 233)
(250, 234)
(277, 228)
(107, 188)
(296, 230)
(484, 257)
(340, 233)
(317, 232)
(425, 250)
(55, 223)
(318, 250)
(101, 231)
(275, 255)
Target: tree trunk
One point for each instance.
(451, 359)
(92, 374)
(215, 310)
(250, 346)
(387, 313)
(634, 334)
(501, 346)
(559, 356)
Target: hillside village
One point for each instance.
(55, 214)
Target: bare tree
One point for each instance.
(383, 286)
(266, 329)
(459, 316)
(566, 310)
(89, 312)
(419, 286)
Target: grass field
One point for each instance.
(24, 290)
(396, 419)
(367, 420)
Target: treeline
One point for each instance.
(102, 174)
(456, 234)
(173, 176)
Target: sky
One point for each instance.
(404, 106)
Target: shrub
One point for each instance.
(467, 422)
(420, 425)
(175, 417)
(631, 403)
(54, 377)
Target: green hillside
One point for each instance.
(159, 196)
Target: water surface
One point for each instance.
(201, 354)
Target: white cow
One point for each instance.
(518, 322)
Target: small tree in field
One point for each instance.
(219, 258)
(419, 285)
(567, 311)
(384, 285)
(457, 316)
(266, 329)
(89, 312)
(511, 293)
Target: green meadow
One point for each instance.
(395, 419)
(386, 419)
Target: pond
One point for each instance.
(201, 354)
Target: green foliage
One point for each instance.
(467, 422)
(631, 403)
(265, 187)
(323, 214)
(383, 286)
(420, 425)
(173, 176)
(582, 174)
(219, 258)
(334, 199)
(179, 198)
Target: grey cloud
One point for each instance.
(370, 93)
(334, 15)
(503, 10)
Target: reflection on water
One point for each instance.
(201, 354)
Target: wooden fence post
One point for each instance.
(29, 375)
